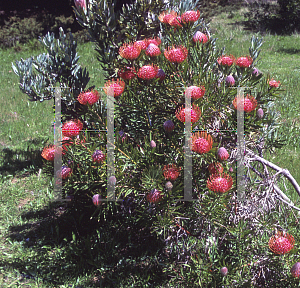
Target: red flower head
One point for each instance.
(154, 196)
(222, 154)
(148, 72)
(90, 97)
(190, 16)
(129, 51)
(215, 168)
(141, 44)
(196, 92)
(156, 41)
(200, 37)
(195, 114)
(295, 271)
(281, 243)
(98, 156)
(49, 152)
(201, 142)
(65, 172)
(175, 21)
(97, 200)
(165, 16)
(118, 85)
(127, 74)
(226, 60)
(72, 128)
(244, 61)
(152, 50)
(176, 54)
(219, 183)
(171, 172)
(274, 83)
(250, 103)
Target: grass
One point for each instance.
(30, 241)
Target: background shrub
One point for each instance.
(282, 16)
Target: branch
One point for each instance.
(279, 170)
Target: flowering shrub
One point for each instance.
(160, 72)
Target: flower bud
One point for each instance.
(112, 180)
(169, 186)
(152, 144)
(229, 80)
(224, 271)
(169, 126)
(97, 200)
(260, 113)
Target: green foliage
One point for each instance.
(108, 28)
(39, 76)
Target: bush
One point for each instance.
(155, 63)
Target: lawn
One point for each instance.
(29, 246)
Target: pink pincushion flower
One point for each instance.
(72, 128)
(49, 152)
(274, 84)
(201, 142)
(250, 103)
(154, 196)
(65, 172)
(281, 243)
(118, 86)
(152, 50)
(141, 44)
(171, 172)
(230, 80)
(196, 92)
(156, 41)
(129, 51)
(219, 183)
(166, 16)
(98, 156)
(90, 97)
(97, 200)
(244, 61)
(176, 54)
(195, 114)
(226, 60)
(148, 72)
(190, 16)
(175, 21)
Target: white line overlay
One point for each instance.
(240, 144)
(188, 161)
